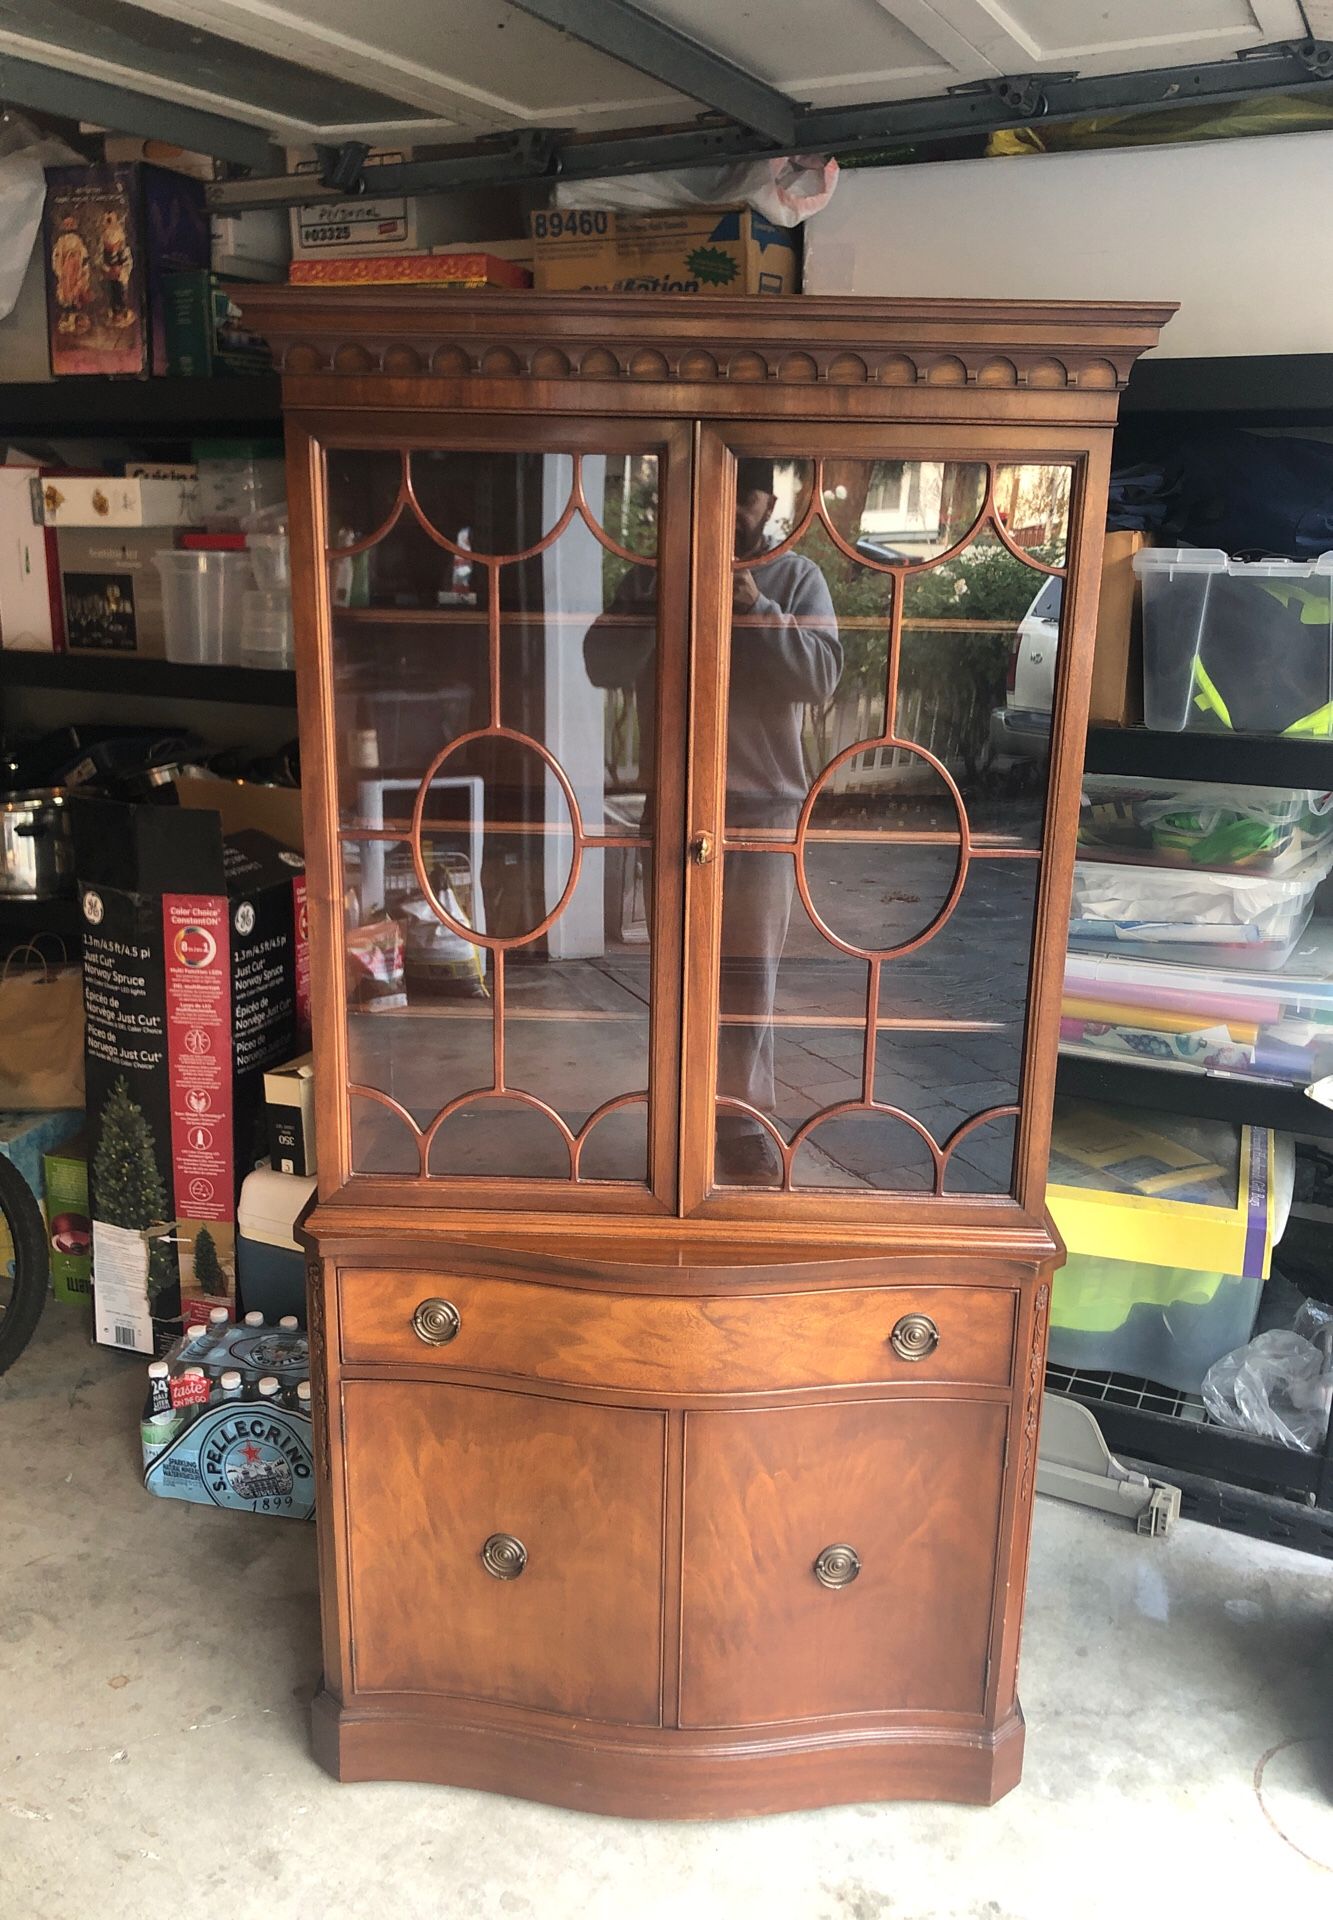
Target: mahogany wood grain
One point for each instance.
(432, 1473)
(677, 1398)
(913, 1488)
(674, 1344)
(673, 1775)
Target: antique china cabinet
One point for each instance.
(687, 974)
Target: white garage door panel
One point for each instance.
(1229, 229)
(473, 66)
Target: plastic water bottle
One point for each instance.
(254, 1319)
(229, 1386)
(289, 1323)
(218, 1318)
(196, 1340)
(298, 1398)
(268, 1389)
(159, 1386)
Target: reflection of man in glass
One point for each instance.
(785, 656)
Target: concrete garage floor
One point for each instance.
(156, 1658)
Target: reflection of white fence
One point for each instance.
(949, 717)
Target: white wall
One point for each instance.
(1235, 230)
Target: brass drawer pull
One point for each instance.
(915, 1336)
(837, 1566)
(503, 1557)
(436, 1322)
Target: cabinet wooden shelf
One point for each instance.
(679, 1341)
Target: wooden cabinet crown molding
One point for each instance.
(664, 341)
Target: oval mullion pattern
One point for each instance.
(987, 517)
(424, 1137)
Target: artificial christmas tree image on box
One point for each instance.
(210, 1277)
(134, 1245)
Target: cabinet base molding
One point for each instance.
(668, 1774)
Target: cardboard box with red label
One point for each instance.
(195, 982)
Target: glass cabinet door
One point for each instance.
(500, 666)
(881, 802)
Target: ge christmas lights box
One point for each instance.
(195, 980)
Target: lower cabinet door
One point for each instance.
(505, 1547)
(839, 1559)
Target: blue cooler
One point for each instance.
(270, 1265)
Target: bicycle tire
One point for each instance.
(27, 1231)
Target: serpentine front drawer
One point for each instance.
(718, 1343)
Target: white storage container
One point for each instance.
(270, 1264)
(1236, 646)
(202, 605)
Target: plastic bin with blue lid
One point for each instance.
(1232, 646)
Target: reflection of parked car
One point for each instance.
(1021, 728)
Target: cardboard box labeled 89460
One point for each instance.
(702, 250)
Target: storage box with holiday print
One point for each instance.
(195, 981)
(111, 236)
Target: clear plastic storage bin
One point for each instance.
(202, 605)
(1192, 823)
(1166, 1324)
(1245, 920)
(1236, 646)
(266, 629)
(237, 480)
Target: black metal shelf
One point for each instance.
(1204, 1096)
(1238, 759)
(1286, 385)
(161, 409)
(136, 679)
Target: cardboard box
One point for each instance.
(443, 268)
(707, 250)
(111, 236)
(191, 970)
(69, 1227)
(106, 500)
(367, 223)
(111, 593)
(120, 149)
(289, 1105)
(206, 332)
(32, 618)
(1117, 660)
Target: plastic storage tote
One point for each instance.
(1192, 823)
(1166, 1324)
(202, 605)
(1251, 921)
(1236, 646)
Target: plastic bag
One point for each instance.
(786, 191)
(1279, 1385)
(24, 154)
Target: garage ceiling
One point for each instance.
(767, 74)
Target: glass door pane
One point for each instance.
(883, 816)
(496, 669)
